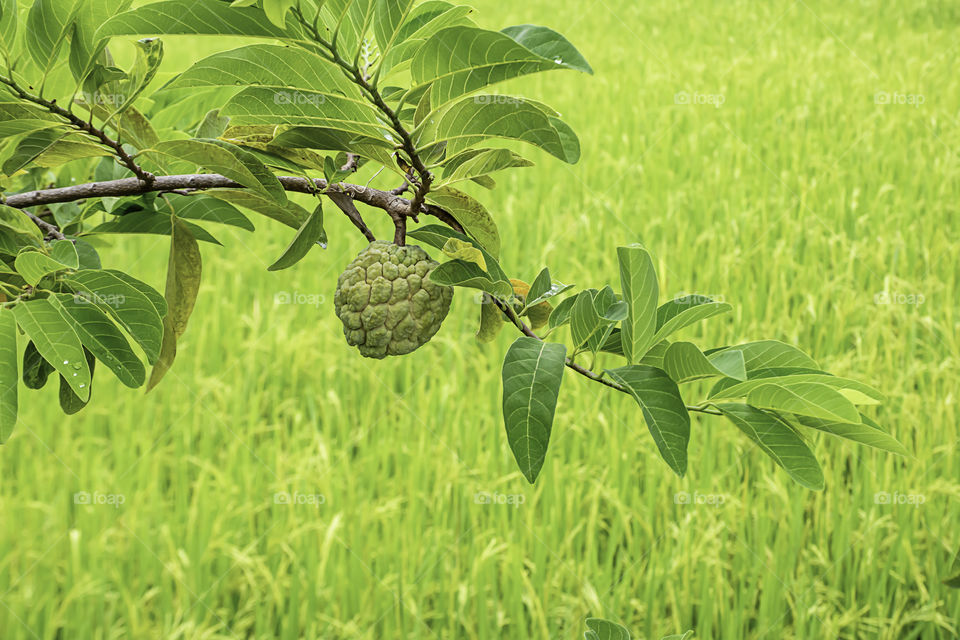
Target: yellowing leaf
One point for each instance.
(457, 248)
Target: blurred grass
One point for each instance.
(799, 199)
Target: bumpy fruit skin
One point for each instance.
(385, 301)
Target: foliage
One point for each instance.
(325, 88)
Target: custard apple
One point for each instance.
(387, 304)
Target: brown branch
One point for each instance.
(397, 207)
(353, 162)
(345, 203)
(50, 231)
(400, 231)
(84, 126)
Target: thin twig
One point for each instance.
(527, 331)
(84, 126)
(50, 231)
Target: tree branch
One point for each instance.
(51, 231)
(359, 77)
(397, 207)
(84, 126)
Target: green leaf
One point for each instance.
(70, 402)
(550, 45)
(191, 17)
(458, 273)
(229, 160)
(388, 17)
(34, 265)
(655, 355)
(460, 60)
(350, 21)
(777, 440)
(543, 288)
(145, 67)
(685, 311)
(12, 109)
(313, 108)
(456, 248)
(158, 301)
(491, 321)
(66, 150)
(12, 128)
(136, 129)
(425, 20)
(436, 235)
(812, 399)
(638, 281)
(9, 374)
(862, 433)
(183, 284)
(855, 391)
(270, 66)
(610, 307)
(212, 126)
(290, 213)
(101, 337)
(332, 139)
(684, 362)
(471, 215)
(309, 234)
(56, 341)
(561, 313)
(585, 322)
(198, 207)
(18, 221)
(541, 285)
(599, 629)
(483, 117)
(474, 163)
(36, 370)
(9, 18)
(85, 48)
(767, 354)
(49, 22)
(64, 252)
(276, 11)
(30, 147)
(610, 310)
(148, 222)
(126, 304)
(532, 373)
(663, 410)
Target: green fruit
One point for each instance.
(386, 302)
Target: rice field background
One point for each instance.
(799, 159)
